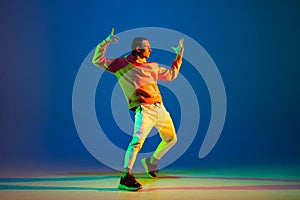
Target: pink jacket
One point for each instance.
(138, 81)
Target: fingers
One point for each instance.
(181, 42)
(179, 49)
(112, 31)
(112, 38)
(181, 45)
(115, 39)
(175, 49)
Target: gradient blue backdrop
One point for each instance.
(255, 45)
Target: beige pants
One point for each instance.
(148, 116)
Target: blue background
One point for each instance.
(255, 45)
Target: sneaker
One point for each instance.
(129, 183)
(151, 169)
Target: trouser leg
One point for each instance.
(167, 133)
(142, 126)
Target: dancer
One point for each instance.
(138, 80)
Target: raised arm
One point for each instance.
(99, 58)
(168, 74)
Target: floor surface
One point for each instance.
(180, 184)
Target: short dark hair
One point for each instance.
(137, 42)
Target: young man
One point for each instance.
(138, 80)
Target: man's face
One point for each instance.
(145, 49)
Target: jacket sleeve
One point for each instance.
(169, 74)
(99, 58)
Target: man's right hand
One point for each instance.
(112, 38)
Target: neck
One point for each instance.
(140, 60)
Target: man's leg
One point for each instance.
(167, 133)
(142, 126)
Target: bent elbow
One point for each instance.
(96, 62)
(173, 76)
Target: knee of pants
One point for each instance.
(172, 139)
(136, 147)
